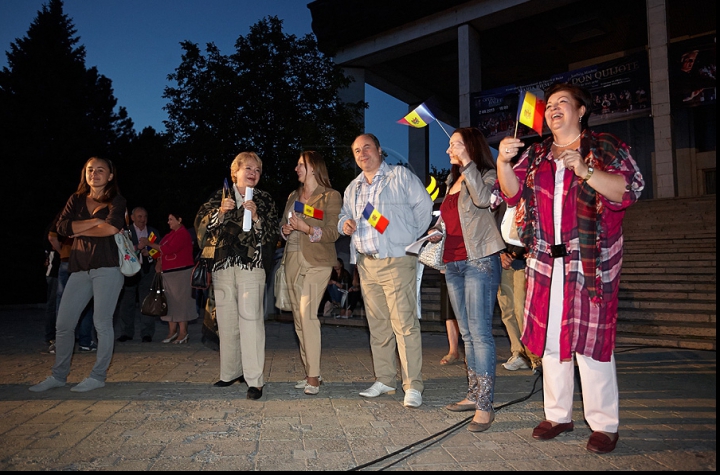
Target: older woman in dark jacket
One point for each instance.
(237, 272)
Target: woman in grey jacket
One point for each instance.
(471, 255)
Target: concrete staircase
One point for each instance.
(668, 282)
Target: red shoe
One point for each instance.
(546, 431)
(600, 443)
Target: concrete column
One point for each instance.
(468, 69)
(663, 159)
(419, 149)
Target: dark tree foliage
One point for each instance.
(276, 95)
(54, 114)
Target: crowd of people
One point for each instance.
(538, 230)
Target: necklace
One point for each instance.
(569, 143)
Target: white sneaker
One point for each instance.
(413, 398)
(49, 383)
(87, 384)
(377, 389)
(515, 362)
(303, 382)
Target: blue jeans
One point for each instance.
(472, 288)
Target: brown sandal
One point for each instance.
(449, 359)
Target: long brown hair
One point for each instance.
(111, 189)
(478, 150)
(317, 162)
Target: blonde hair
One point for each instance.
(240, 160)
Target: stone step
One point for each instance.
(680, 271)
(669, 264)
(668, 329)
(667, 286)
(667, 278)
(632, 339)
(668, 305)
(651, 244)
(669, 257)
(659, 293)
(662, 315)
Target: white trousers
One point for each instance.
(599, 380)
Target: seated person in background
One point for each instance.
(354, 296)
(339, 281)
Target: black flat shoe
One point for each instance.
(224, 384)
(124, 338)
(254, 393)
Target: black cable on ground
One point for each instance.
(445, 432)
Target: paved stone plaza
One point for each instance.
(159, 411)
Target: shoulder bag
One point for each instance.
(201, 275)
(129, 263)
(431, 254)
(282, 293)
(155, 304)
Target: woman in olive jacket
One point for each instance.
(310, 227)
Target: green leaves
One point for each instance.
(276, 94)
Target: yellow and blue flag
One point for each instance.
(376, 220)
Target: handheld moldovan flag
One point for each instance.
(376, 220)
(308, 210)
(531, 111)
(152, 238)
(418, 118)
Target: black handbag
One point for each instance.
(201, 276)
(155, 304)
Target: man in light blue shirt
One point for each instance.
(384, 209)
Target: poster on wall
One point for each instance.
(692, 71)
(619, 88)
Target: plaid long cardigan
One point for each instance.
(588, 323)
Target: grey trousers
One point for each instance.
(104, 286)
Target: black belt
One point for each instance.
(558, 250)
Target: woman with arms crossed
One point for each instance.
(92, 215)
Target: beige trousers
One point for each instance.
(511, 299)
(307, 285)
(389, 290)
(241, 326)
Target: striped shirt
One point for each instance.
(366, 238)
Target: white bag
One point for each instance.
(431, 253)
(282, 293)
(129, 264)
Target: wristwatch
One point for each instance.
(590, 172)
